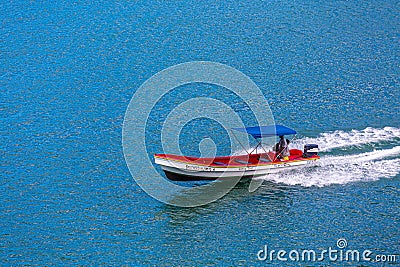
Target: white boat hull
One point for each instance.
(195, 171)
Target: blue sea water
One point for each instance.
(329, 69)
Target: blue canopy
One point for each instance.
(266, 131)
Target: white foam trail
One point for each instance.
(339, 138)
(364, 157)
(368, 166)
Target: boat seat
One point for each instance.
(242, 161)
(264, 160)
(220, 163)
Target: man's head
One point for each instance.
(281, 136)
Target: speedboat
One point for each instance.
(186, 168)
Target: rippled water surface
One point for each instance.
(69, 69)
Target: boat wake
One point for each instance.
(343, 169)
(341, 139)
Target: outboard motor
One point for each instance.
(310, 150)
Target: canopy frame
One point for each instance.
(259, 135)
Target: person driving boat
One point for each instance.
(282, 148)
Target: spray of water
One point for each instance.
(341, 139)
(343, 170)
